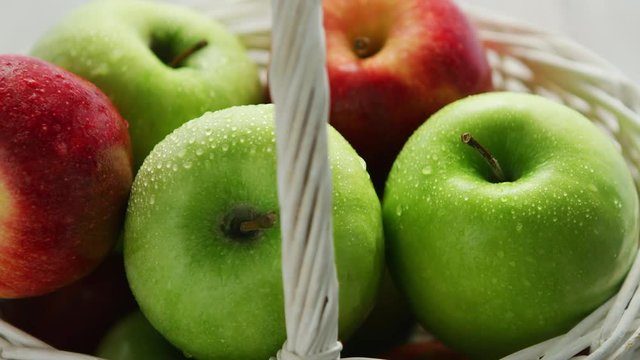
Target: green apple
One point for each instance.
(127, 49)
(493, 265)
(202, 251)
(133, 338)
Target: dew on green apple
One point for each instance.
(363, 163)
(100, 70)
(617, 203)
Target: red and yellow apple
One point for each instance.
(65, 176)
(392, 64)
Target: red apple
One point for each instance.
(65, 175)
(76, 317)
(430, 349)
(391, 64)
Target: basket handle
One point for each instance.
(299, 89)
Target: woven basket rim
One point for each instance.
(618, 96)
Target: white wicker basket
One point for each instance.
(523, 58)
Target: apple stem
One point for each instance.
(180, 58)
(361, 46)
(262, 222)
(486, 155)
(243, 223)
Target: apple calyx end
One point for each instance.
(493, 163)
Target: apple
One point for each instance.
(493, 263)
(133, 338)
(160, 64)
(428, 349)
(77, 316)
(202, 238)
(389, 324)
(65, 176)
(391, 65)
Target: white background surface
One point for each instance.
(609, 27)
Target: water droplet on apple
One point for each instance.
(427, 170)
(116, 54)
(362, 163)
(152, 200)
(225, 147)
(187, 164)
(399, 210)
(519, 227)
(100, 70)
(61, 148)
(199, 151)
